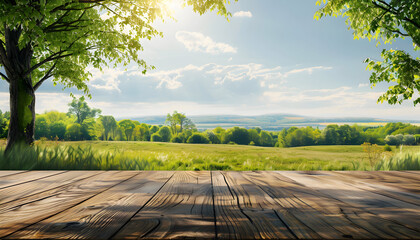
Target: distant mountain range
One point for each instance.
(271, 122)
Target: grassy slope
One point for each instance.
(235, 157)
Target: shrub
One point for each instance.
(409, 140)
(387, 148)
(176, 139)
(165, 134)
(156, 137)
(198, 138)
(213, 137)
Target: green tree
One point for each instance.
(384, 21)
(153, 129)
(80, 109)
(165, 133)
(41, 128)
(109, 124)
(255, 136)
(141, 132)
(74, 132)
(237, 135)
(127, 127)
(178, 121)
(266, 139)
(57, 129)
(3, 125)
(155, 138)
(59, 39)
(198, 138)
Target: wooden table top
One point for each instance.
(204, 204)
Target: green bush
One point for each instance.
(387, 148)
(176, 139)
(198, 138)
(156, 137)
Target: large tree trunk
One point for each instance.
(22, 94)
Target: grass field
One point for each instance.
(173, 156)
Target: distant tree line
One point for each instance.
(84, 123)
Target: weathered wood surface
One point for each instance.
(209, 205)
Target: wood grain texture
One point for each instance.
(183, 208)
(101, 216)
(28, 189)
(260, 208)
(8, 173)
(225, 205)
(29, 176)
(20, 214)
(298, 208)
(403, 189)
(402, 219)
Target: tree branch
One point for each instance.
(46, 76)
(394, 11)
(56, 55)
(5, 77)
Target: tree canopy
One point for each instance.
(80, 109)
(63, 39)
(384, 22)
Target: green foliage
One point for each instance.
(80, 109)
(400, 139)
(213, 138)
(165, 134)
(127, 126)
(198, 138)
(387, 148)
(74, 132)
(384, 21)
(156, 137)
(109, 124)
(4, 123)
(266, 139)
(254, 136)
(237, 135)
(176, 139)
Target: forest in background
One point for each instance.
(84, 123)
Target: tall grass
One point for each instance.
(400, 161)
(167, 156)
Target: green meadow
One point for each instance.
(100, 155)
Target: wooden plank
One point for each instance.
(299, 208)
(8, 173)
(29, 176)
(101, 216)
(231, 222)
(20, 214)
(268, 215)
(31, 188)
(396, 218)
(183, 208)
(402, 189)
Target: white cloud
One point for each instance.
(243, 14)
(308, 70)
(270, 78)
(197, 42)
(107, 79)
(363, 85)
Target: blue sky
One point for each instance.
(271, 57)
